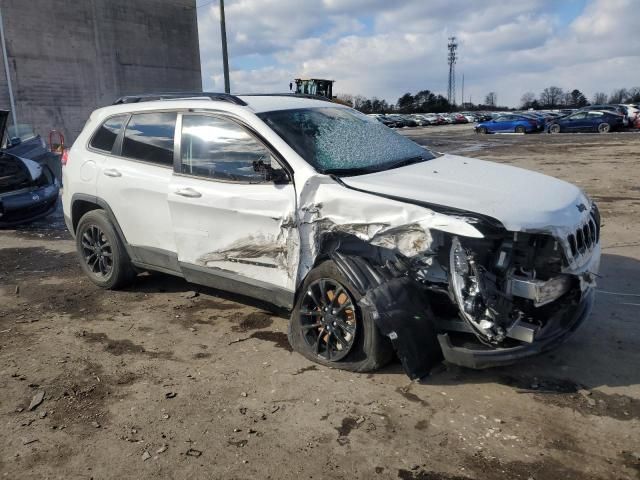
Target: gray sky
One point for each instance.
(385, 48)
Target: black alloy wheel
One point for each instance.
(97, 251)
(328, 319)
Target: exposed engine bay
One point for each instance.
(508, 289)
(500, 285)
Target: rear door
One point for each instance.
(577, 122)
(230, 218)
(134, 182)
(595, 119)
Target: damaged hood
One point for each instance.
(520, 199)
(17, 173)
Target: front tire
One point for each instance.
(482, 130)
(604, 128)
(555, 128)
(101, 252)
(328, 327)
(520, 129)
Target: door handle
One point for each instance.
(112, 172)
(188, 192)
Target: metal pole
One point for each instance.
(225, 57)
(6, 69)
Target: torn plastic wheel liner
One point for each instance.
(399, 307)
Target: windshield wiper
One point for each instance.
(405, 162)
(346, 172)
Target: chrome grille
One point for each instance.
(587, 235)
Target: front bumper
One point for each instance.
(25, 207)
(486, 358)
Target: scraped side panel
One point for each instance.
(246, 229)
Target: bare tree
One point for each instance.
(634, 94)
(358, 102)
(599, 98)
(527, 99)
(551, 96)
(619, 96)
(491, 99)
(346, 99)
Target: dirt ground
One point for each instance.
(156, 382)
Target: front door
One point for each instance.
(232, 207)
(501, 124)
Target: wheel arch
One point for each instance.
(398, 305)
(82, 203)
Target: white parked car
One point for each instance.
(374, 242)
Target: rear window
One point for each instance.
(106, 135)
(21, 131)
(149, 137)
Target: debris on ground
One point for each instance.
(36, 400)
(192, 452)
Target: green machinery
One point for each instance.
(314, 86)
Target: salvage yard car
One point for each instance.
(28, 189)
(600, 121)
(372, 241)
(508, 123)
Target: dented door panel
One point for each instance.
(241, 228)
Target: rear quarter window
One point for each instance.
(105, 137)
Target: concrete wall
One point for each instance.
(68, 57)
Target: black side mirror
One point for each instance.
(276, 175)
(15, 141)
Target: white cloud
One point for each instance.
(382, 48)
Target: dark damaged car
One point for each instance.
(373, 242)
(28, 189)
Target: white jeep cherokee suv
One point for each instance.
(374, 242)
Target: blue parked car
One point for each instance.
(587, 121)
(508, 122)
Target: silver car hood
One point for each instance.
(520, 199)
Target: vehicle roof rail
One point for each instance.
(295, 95)
(150, 97)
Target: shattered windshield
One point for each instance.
(343, 141)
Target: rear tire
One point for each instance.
(521, 129)
(368, 349)
(604, 128)
(555, 128)
(101, 252)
